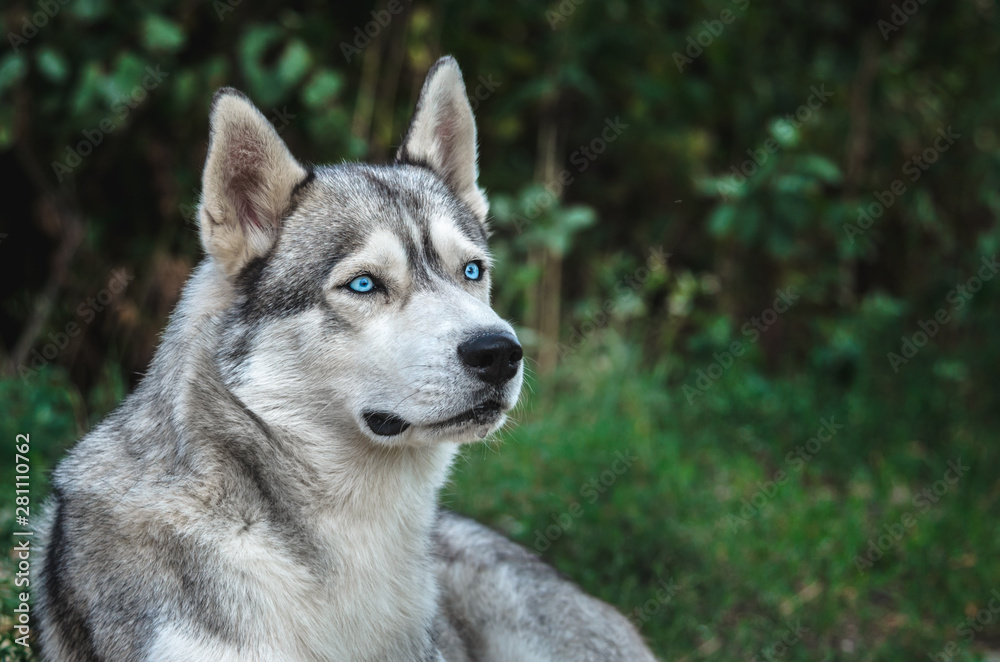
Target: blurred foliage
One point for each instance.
(677, 514)
(754, 166)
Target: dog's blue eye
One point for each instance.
(362, 284)
(472, 271)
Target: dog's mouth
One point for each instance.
(485, 413)
(385, 424)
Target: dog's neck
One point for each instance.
(373, 510)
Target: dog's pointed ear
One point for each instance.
(442, 135)
(247, 184)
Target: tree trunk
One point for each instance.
(548, 297)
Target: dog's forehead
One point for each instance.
(336, 212)
(341, 206)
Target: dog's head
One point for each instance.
(360, 294)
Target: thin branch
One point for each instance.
(71, 226)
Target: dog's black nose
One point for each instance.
(494, 356)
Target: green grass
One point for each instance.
(670, 518)
(659, 536)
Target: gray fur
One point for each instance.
(238, 507)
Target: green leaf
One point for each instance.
(785, 132)
(88, 89)
(12, 68)
(90, 10)
(294, 63)
(926, 212)
(820, 167)
(128, 74)
(162, 34)
(270, 84)
(725, 187)
(578, 217)
(722, 221)
(264, 85)
(51, 64)
(322, 88)
(793, 183)
(750, 222)
(780, 245)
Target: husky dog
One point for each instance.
(269, 492)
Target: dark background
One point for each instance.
(696, 368)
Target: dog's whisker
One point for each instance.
(320, 412)
(406, 398)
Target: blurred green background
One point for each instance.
(749, 247)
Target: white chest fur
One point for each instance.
(368, 594)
